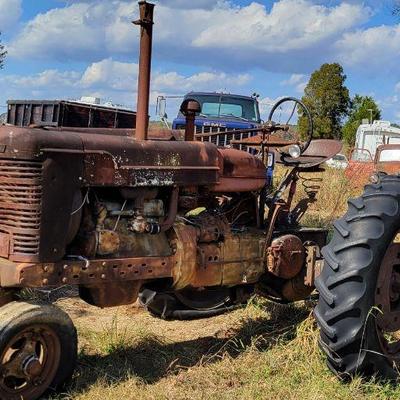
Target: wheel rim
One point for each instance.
(29, 363)
(204, 299)
(387, 299)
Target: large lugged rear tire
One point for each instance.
(356, 260)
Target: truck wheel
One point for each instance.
(359, 288)
(38, 349)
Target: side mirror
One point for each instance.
(162, 107)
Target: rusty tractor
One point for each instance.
(188, 228)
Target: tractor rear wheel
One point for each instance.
(38, 349)
(359, 288)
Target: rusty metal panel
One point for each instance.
(4, 245)
(79, 272)
(123, 161)
(240, 172)
(67, 114)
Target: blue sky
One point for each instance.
(68, 48)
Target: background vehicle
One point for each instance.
(222, 112)
(370, 136)
(338, 161)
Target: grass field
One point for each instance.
(263, 351)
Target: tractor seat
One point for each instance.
(319, 151)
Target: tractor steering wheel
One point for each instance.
(303, 145)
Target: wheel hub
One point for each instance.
(29, 362)
(32, 367)
(387, 300)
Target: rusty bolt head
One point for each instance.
(45, 268)
(65, 266)
(103, 276)
(64, 280)
(45, 281)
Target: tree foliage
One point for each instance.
(2, 54)
(328, 99)
(396, 7)
(362, 107)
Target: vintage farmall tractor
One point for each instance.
(187, 227)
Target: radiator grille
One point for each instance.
(218, 137)
(20, 205)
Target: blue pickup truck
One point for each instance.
(222, 112)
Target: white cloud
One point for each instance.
(80, 31)
(299, 81)
(291, 25)
(111, 74)
(376, 48)
(113, 81)
(10, 11)
(294, 79)
(197, 4)
(397, 87)
(296, 35)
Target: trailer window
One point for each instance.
(388, 155)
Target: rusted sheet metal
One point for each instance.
(286, 256)
(295, 289)
(78, 272)
(121, 161)
(359, 171)
(237, 260)
(240, 172)
(63, 113)
(154, 132)
(387, 158)
(184, 245)
(146, 39)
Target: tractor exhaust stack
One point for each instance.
(146, 23)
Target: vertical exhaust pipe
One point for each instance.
(146, 23)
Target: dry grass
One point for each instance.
(263, 351)
(332, 190)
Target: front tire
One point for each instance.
(38, 349)
(359, 296)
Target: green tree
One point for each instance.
(2, 54)
(396, 7)
(362, 107)
(328, 99)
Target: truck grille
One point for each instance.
(20, 206)
(218, 137)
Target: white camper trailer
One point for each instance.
(370, 136)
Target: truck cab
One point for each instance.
(220, 113)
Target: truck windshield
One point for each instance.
(228, 106)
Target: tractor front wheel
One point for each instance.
(38, 349)
(359, 288)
